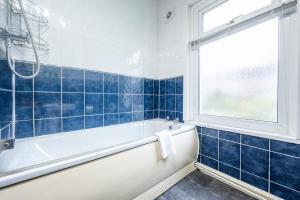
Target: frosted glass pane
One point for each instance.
(239, 73)
(230, 9)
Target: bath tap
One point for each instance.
(176, 121)
(168, 118)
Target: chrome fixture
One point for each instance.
(176, 121)
(6, 143)
(21, 26)
(14, 34)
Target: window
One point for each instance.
(242, 81)
(229, 10)
(242, 65)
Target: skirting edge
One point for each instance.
(237, 184)
(163, 186)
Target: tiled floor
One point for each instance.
(199, 186)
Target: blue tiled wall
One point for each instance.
(171, 98)
(64, 99)
(270, 165)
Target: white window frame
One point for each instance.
(288, 80)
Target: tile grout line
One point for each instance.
(219, 150)
(103, 98)
(269, 168)
(84, 106)
(61, 100)
(240, 157)
(33, 102)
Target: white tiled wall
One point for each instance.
(172, 44)
(110, 35)
(122, 36)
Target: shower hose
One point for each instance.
(8, 45)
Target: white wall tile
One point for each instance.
(172, 44)
(109, 35)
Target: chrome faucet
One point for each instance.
(176, 121)
(168, 118)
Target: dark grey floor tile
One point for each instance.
(199, 186)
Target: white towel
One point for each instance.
(166, 144)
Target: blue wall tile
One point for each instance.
(83, 95)
(93, 82)
(179, 103)
(229, 153)
(179, 115)
(210, 132)
(171, 115)
(162, 114)
(125, 103)
(138, 116)
(5, 76)
(209, 147)
(156, 102)
(111, 103)
(93, 104)
(49, 79)
(125, 117)
(73, 104)
(285, 148)
(24, 105)
(255, 161)
(148, 115)
(111, 83)
(93, 121)
(162, 87)
(155, 114)
(235, 173)
(47, 126)
(148, 86)
(5, 106)
(73, 123)
(209, 162)
(24, 129)
(138, 102)
(255, 181)
(111, 119)
(137, 85)
(47, 105)
(72, 80)
(284, 192)
(170, 102)
(156, 87)
(235, 137)
(170, 86)
(125, 85)
(179, 85)
(148, 102)
(162, 102)
(285, 170)
(27, 70)
(255, 141)
(259, 166)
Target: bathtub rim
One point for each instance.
(35, 171)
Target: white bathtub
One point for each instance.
(99, 156)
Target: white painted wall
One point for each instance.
(172, 38)
(110, 35)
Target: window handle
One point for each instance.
(233, 19)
